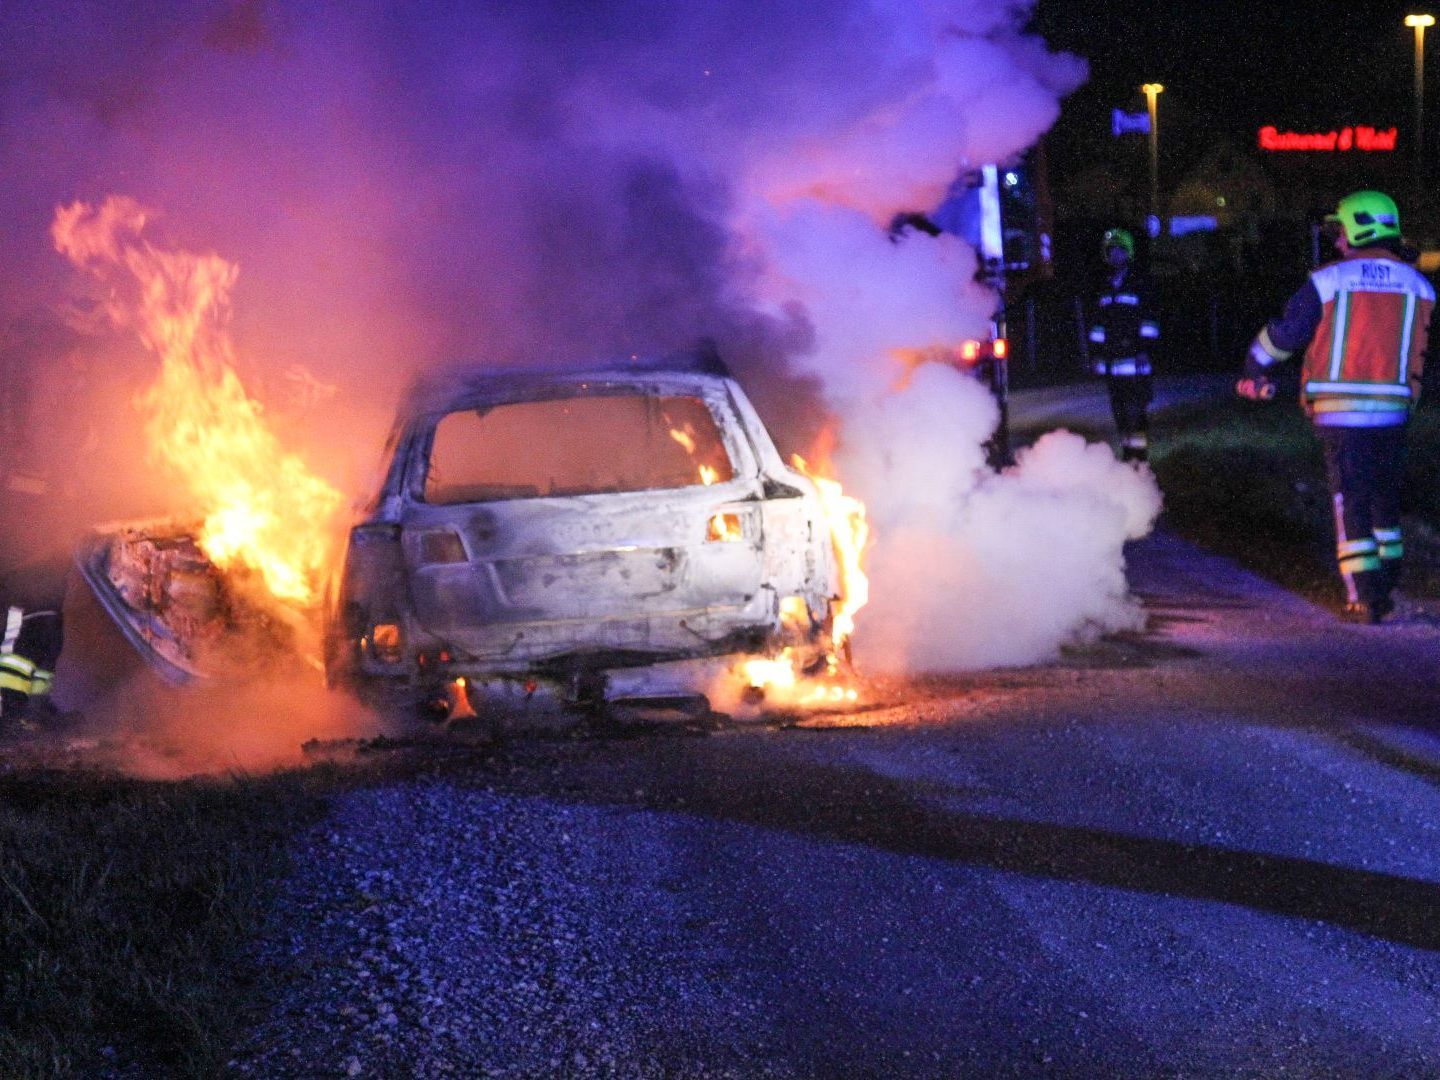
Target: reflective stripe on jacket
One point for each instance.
(1123, 326)
(1140, 365)
(17, 672)
(1364, 323)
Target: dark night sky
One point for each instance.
(1230, 66)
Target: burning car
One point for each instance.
(563, 530)
(564, 527)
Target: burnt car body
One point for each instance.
(556, 528)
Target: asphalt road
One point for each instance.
(1209, 850)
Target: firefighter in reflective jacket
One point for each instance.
(1123, 330)
(31, 602)
(1364, 323)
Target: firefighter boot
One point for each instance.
(1367, 614)
(1368, 598)
(18, 711)
(1134, 447)
(1391, 547)
(1374, 601)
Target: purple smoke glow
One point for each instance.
(408, 185)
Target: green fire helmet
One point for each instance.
(1120, 238)
(1367, 216)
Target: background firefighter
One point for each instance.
(1364, 322)
(32, 600)
(1123, 330)
(39, 365)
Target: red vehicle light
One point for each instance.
(1000, 347)
(970, 351)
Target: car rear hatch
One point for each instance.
(598, 518)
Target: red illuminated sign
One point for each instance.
(1345, 139)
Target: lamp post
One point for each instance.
(1419, 23)
(1152, 92)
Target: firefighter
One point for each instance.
(1123, 330)
(1364, 324)
(32, 600)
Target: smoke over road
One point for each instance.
(978, 569)
(406, 185)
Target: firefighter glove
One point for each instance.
(1255, 389)
(1257, 359)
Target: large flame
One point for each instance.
(784, 677)
(850, 533)
(792, 676)
(263, 509)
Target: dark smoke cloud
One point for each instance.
(405, 184)
(410, 184)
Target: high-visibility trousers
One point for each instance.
(32, 600)
(28, 653)
(1130, 397)
(1365, 466)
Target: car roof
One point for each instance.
(466, 381)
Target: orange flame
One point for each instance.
(781, 677)
(850, 533)
(782, 680)
(724, 528)
(685, 439)
(776, 673)
(264, 510)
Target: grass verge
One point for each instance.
(124, 909)
(1248, 481)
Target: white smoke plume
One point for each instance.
(978, 569)
(405, 185)
(969, 569)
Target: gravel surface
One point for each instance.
(496, 939)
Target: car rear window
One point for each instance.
(588, 445)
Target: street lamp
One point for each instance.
(1152, 91)
(1419, 23)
